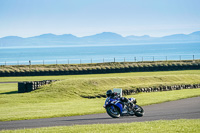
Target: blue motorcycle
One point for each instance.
(116, 107)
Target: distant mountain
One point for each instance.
(55, 37)
(141, 39)
(11, 41)
(104, 38)
(176, 37)
(195, 35)
(51, 39)
(132, 37)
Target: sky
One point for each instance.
(26, 18)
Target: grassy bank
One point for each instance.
(63, 98)
(32, 107)
(161, 126)
(182, 73)
(97, 68)
(93, 65)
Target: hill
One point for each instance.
(104, 38)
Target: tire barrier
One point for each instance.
(160, 88)
(31, 86)
(150, 89)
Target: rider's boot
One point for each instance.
(131, 105)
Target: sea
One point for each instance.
(80, 54)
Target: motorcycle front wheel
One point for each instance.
(139, 111)
(112, 111)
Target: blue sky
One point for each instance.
(27, 18)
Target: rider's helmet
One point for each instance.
(109, 93)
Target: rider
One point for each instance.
(111, 94)
(114, 95)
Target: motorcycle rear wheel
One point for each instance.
(114, 113)
(139, 111)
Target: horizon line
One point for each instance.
(96, 34)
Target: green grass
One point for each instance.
(92, 85)
(161, 126)
(63, 98)
(27, 106)
(55, 67)
(132, 74)
(8, 88)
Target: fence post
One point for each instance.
(91, 60)
(135, 59)
(103, 60)
(124, 59)
(29, 65)
(180, 57)
(153, 58)
(114, 59)
(193, 57)
(5, 63)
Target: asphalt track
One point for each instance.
(8, 82)
(180, 109)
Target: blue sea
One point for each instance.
(99, 54)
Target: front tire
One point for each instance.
(113, 111)
(139, 111)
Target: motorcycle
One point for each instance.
(116, 108)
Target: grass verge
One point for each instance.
(190, 73)
(11, 70)
(8, 88)
(161, 126)
(63, 98)
(22, 107)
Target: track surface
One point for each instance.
(8, 82)
(181, 109)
